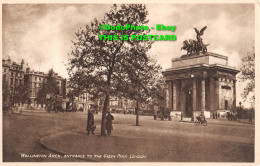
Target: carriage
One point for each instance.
(163, 113)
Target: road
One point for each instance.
(176, 141)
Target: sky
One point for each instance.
(42, 34)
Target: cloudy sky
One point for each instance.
(42, 34)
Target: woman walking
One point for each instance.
(109, 125)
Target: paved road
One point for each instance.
(177, 141)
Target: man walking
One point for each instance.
(250, 117)
(109, 125)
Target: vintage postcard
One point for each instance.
(129, 83)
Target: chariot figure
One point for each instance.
(193, 46)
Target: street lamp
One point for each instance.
(190, 93)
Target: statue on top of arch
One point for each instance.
(193, 46)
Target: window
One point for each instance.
(12, 81)
(226, 87)
(226, 104)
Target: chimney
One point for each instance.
(22, 63)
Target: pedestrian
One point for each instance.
(109, 125)
(250, 118)
(90, 123)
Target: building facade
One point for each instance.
(200, 84)
(36, 79)
(14, 74)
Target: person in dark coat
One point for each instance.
(90, 123)
(109, 125)
(250, 117)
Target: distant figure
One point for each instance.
(90, 123)
(228, 116)
(250, 118)
(109, 125)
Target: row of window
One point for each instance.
(225, 79)
(39, 78)
(16, 74)
(16, 81)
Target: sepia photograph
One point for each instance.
(129, 83)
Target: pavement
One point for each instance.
(147, 143)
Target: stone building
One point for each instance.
(36, 79)
(200, 83)
(14, 74)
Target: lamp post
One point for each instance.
(190, 93)
(125, 106)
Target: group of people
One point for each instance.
(91, 127)
(216, 115)
(231, 116)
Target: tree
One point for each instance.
(48, 87)
(24, 93)
(248, 75)
(6, 92)
(158, 92)
(112, 67)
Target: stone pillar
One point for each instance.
(234, 93)
(194, 98)
(217, 94)
(203, 96)
(174, 96)
(167, 95)
(182, 98)
(170, 94)
(211, 96)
